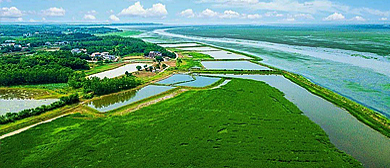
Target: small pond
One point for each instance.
(115, 101)
(176, 78)
(224, 55)
(179, 45)
(232, 65)
(198, 49)
(201, 81)
(15, 100)
(118, 71)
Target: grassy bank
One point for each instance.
(6, 128)
(247, 131)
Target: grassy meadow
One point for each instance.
(199, 128)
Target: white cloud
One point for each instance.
(335, 17)
(229, 14)
(11, 12)
(89, 17)
(273, 14)
(296, 6)
(157, 10)
(383, 19)
(114, 18)
(304, 16)
(19, 19)
(54, 11)
(254, 16)
(358, 18)
(188, 13)
(32, 20)
(290, 19)
(43, 19)
(208, 13)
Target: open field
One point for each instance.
(126, 33)
(250, 130)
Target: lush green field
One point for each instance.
(122, 34)
(204, 128)
(196, 55)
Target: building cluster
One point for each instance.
(12, 43)
(103, 56)
(154, 54)
(58, 43)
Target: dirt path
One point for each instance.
(28, 127)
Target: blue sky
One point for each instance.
(197, 11)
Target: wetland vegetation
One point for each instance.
(226, 132)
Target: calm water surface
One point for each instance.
(112, 102)
(118, 71)
(176, 78)
(15, 100)
(201, 81)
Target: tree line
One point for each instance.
(98, 86)
(39, 68)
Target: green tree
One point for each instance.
(138, 68)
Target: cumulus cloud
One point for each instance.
(54, 11)
(273, 14)
(89, 17)
(114, 18)
(188, 13)
(304, 16)
(297, 6)
(254, 16)
(11, 12)
(208, 13)
(358, 18)
(157, 10)
(383, 19)
(229, 14)
(335, 17)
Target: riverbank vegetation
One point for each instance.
(364, 114)
(248, 131)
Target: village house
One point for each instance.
(154, 54)
(104, 56)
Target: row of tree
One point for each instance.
(11, 117)
(117, 45)
(103, 86)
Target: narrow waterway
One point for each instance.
(345, 131)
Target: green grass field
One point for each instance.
(123, 34)
(196, 55)
(242, 124)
